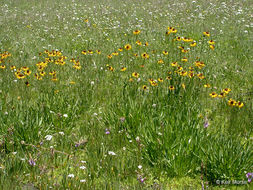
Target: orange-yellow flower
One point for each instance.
(213, 94)
(171, 88)
(128, 47)
(206, 34)
(231, 102)
(136, 75)
(136, 32)
(145, 55)
(240, 104)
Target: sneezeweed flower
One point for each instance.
(109, 56)
(165, 52)
(171, 88)
(226, 90)
(86, 20)
(231, 102)
(222, 95)
(181, 47)
(123, 69)
(160, 80)
(193, 44)
(136, 32)
(146, 44)
(128, 47)
(211, 42)
(190, 74)
(2, 66)
(178, 38)
(25, 68)
(98, 52)
(115, 53)
(153, 83)
(184, 59)
(20, 76)
(207, 85)
(174, 64)
(173, 30)
(13, 67)
(212, 47)
(144, 87)
(199, 64)
(135, 55)
(27, 83)
(185, 39)
(90, 52)
(111, 68)
(206, 34)
(138, 42)
(160, 61)
(54, 79)
(184, 51)
(179, 68)
(77, 67)
(27, 72)
(120, 49)
(167, 32)
(168, 77)
(183, 73)
(239, 104)
(84, 52)
(201, 76)
(144, 55)
(213, 94)
(136, 75)
(42, 73)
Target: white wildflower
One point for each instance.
(71, 175)
(111, 153)
(82, 167)
(61, 133)
(48, 137)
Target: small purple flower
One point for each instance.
(107, 132)
(206, 124)
(32, 162)
(141, 179)
(122, 119)
(77, 145)
(249, 176)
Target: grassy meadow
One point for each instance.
(128, 94)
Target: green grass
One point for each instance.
(107, 131)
